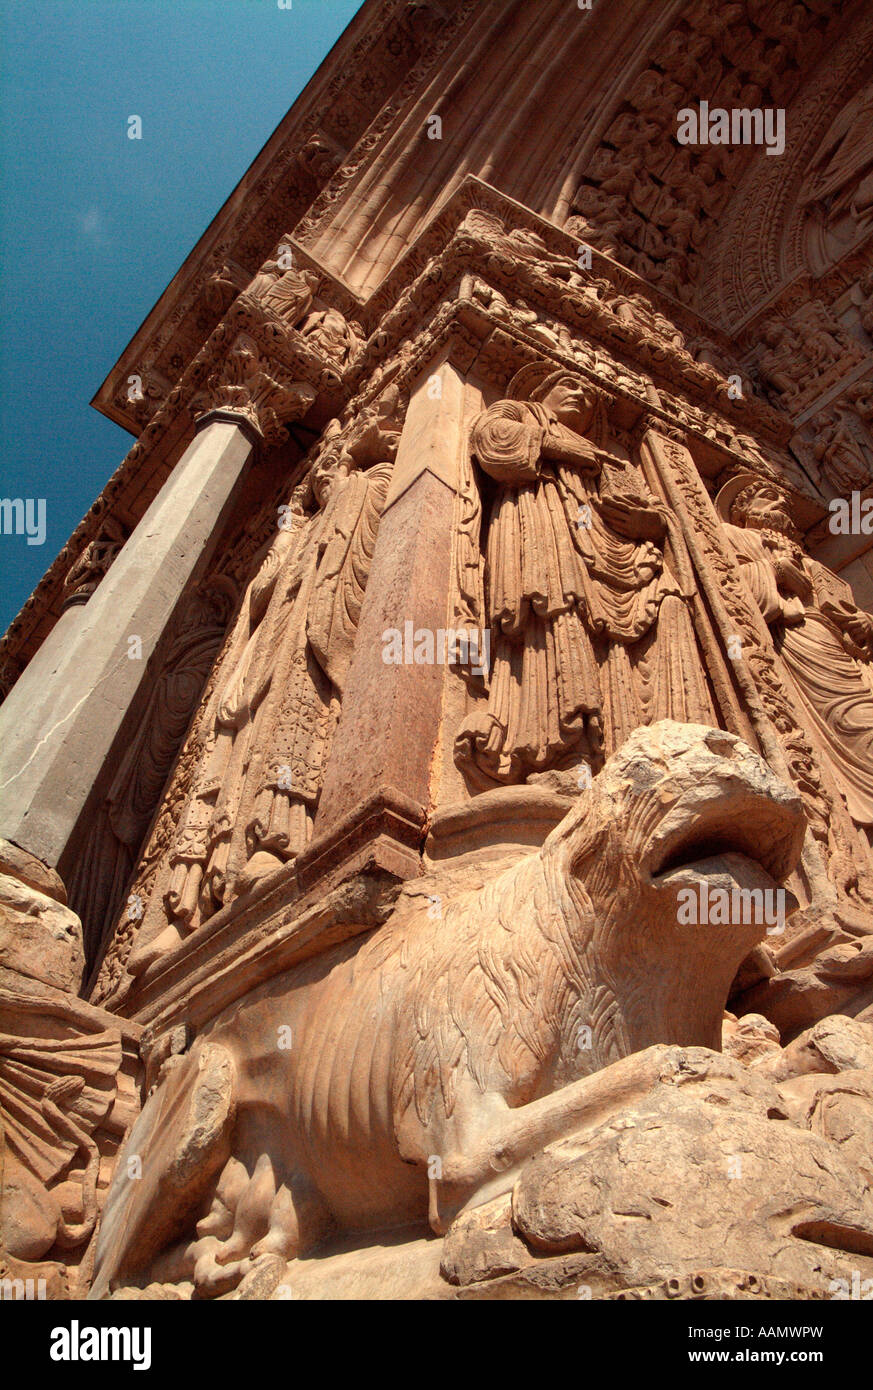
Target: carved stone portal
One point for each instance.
(437, 774)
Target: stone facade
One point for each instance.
(443, 756)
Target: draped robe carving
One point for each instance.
(825, 641)
(274, 715)
(318, 644)
(590, 634)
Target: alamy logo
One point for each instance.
(851, 517)
(705, 905)
(75, 1343)
(739, 126)
(20, 517)
(24, 1289)
(425, 647)
(858, 1288)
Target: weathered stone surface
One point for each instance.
(704, 1171)
(39, 937)
(66, 1082)
(750, 1038)
(460, 971)
(200, 1132)
(835, 1044)
(481, 1244)
(501, 725)
(17, 863)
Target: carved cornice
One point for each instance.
(317, 146)
(479, 235)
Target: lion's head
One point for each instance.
(668, 872)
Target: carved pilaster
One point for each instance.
(778, 724)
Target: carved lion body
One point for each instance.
(406, 1072)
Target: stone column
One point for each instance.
(59, 722)
(65, 717)
(378, 776)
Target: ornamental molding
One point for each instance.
(483, 260)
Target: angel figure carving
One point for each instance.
(823, 638)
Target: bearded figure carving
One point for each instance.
(825, 641)
(590, 633)
(332, 334)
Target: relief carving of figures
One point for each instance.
(290, 294)
(98, 878)
(590, 633)
(319, 639)
(817, 332)
(824, 640)
(779, 363)
(222, 287)
(802, 352)
(598, 219)
(273, 715)
(844, 459)
(332, 335)
(840, 177)
(200, 827)
(286, 292)
(85, 574)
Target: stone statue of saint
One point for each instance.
(590, 632)
(274, 714)
(825, 641)
(323, 606)
(841, 170)
(207, 821)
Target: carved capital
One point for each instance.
(253, 385)
(93, 562)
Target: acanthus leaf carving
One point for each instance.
(250, 384)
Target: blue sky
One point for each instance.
(93, 226)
